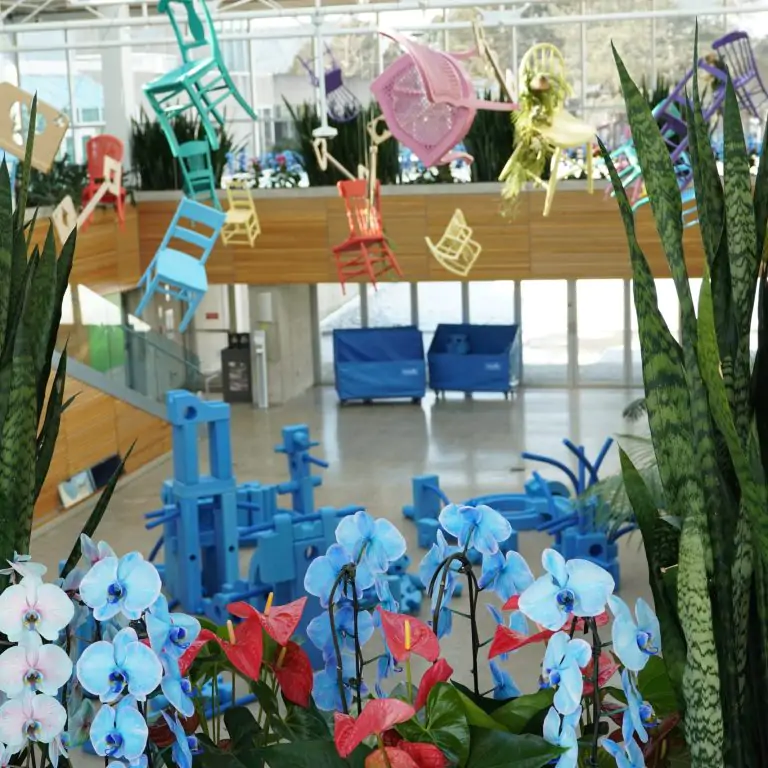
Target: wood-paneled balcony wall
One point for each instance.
(581, 238)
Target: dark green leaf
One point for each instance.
(477, 716)
(46, 440)
(242, 728)
(516, 714)
(447, 723)
(646, 514)
(310, 754)
(656, 687)
(496, 749)
(92, 523)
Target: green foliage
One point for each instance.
(496, 749)
(490, 141)
(706, 407)
(64, 178)
(153, 161)
(349, 147)
(32, 289)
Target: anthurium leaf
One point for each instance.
(516, 714)
(445, 725)
(486, 703)
(447, 722)
(305, 723)
(242, 728)
(311, 754)
(656, 688)
(477, 716)
(496, 749)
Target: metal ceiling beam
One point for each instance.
(37, 10)
(8, 11)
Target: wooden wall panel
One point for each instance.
(95, 427)
(583, 237)
(106, 255)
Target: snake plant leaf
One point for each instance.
(760, 200)
(17, 450)
(38, 309)
(63, 271)
(669, 415)
(6, 246)
(26, 166)
(92, 523)
(46, 439)
(760, 370)
(752, 523)
(706, 177)
(743, 255)
(647, 515)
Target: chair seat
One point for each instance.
(567, 130)
(173, 79)
(181, 269)
(238, 217)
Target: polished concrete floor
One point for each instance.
(473, 445)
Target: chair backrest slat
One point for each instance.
(196, 213)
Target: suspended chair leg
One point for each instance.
(552, 185)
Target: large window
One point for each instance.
(438, 303)
(600, 328)
(492, 302)
(335, 309)
(545, 332)
(389, 304)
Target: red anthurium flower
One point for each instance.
(405, 635)
(407, 755)
(511, 604)
(279, 621)
(378, 715)
(607, 668)
(439, 672)
(424, 755)
(395, 758)
(506, 640)
(188, 657)
(293, 671)
(244, 649)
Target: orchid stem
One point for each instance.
(596, 649)
(335, 639)
(358, 648)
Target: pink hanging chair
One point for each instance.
(428, 100)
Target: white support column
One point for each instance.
(117, 80)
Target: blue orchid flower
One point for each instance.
(170, 634)
(578, 588)
(324, 570)
(480, 527)
(503, 685)
(325, 689)
(321, 635)
(377, 543)
(639, 714)
(634, 642)
(437, 554)
(561, 668)
(81, 718)
(128, 586)
(628, 755)
(516, 622)
(561, 732)
(120, 732)
(107, 669)
(384, 594)
(184, 746)
(178, 691)
(506, 575)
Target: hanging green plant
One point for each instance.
(539, 101)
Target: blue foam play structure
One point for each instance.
(474, 358)
(379, 363)
(573, 520)
(207, 519)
